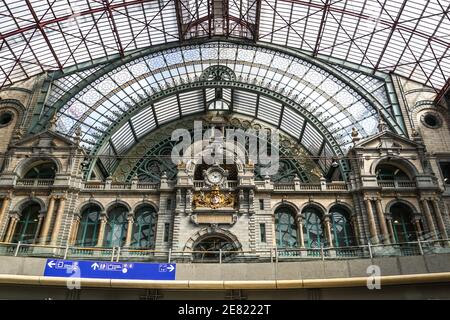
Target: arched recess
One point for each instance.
(145, 203)
(401, 163)
(135, 124)
(26, 229)
(286, 203)
(84, 204)
(404, 225)
(144, 226)
(115, 203)
(403, 201)
(144, 159)
(116, 224)
(89, 225)
(286, 227)
(24, 202)
(26, 165)
(342, 231)
(204, 232)
(313, 226)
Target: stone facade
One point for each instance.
(180, 225)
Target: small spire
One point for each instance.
(355, 135)
(53, 121)
(382, 126)
(78, 135)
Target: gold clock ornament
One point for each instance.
(213, 199)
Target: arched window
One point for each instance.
(144, 227)
(285, 228)
(390, 173)
(341, 229)
(27, 227)
(312, 228)
(44, 170)
(89, 226)
(116, 227)
(208, 248)
(404, 230)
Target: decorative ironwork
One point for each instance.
(218, 73)
(296, 161)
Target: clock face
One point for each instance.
(215, 177)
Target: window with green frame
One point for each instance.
(404, 230)
(116, 227)
(341, 229)
(144, 227)
(285, 228)
(26, 228)
(313, 228)
(89, 226)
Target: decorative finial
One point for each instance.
(382, 125)
(78, 135)
(53, 121)
(355, 135)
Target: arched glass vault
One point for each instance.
(115, 105)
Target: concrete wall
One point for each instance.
(255, 271)
(271, 271)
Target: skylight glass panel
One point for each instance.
(191, 102)
(245, 102)
(269, 110)
(292, 122)
(166, 109)
(144, 121)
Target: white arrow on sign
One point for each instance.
(95, 266)
(170, 268)
(51, 264)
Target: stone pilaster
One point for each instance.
(371, 218)
(48, 220)
(59, 217)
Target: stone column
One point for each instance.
(301, 238)
(440, 221)
(74, 231)
(12, 226)
(101, 232)
(5, 205)
(354, 223)
(416, 221)
(128, 239)
(429, 218)
(48, 220)
(38, 229)
(372, 225)
(59, 216)
(382, 221)
(390, 227)
(327, 222)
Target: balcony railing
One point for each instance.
(198, 184)
(34, 182)
(368, 251)
(99, 185)
(396, 184)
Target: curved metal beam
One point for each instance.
(398, 128)
(276, 96)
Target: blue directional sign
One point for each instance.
(110, 270)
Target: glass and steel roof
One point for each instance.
(116, 106)
(406, 37)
